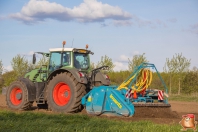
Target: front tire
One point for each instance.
(17, 96)
(64, 93)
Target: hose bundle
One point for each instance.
(141, 81)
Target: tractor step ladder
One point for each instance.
(41, 99)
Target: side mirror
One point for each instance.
(91, 53)
(34, 58)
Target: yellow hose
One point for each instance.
(142, 83)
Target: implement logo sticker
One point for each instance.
(115, 101)
(89, 99)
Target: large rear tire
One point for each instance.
(64, 93)
(17, 96)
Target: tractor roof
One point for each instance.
(71, 49)
(60, 49)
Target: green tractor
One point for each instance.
(59, 85)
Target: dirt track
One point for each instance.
(162, 116)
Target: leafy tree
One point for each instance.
(106, 61)
(1, 71)
(136, 61)
(177, 65)
(20, 65)
(1, 83)
(117, 77)
(191, 82)
(156, 81)
(31, 66)
(92, 65)
(43, 61)
(1, 67)
(9, 77)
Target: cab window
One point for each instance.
(66, 58)
(81, 61)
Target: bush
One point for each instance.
(8, 78)
(118, 77)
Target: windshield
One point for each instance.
(81, 61)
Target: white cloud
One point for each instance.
(88, 11)
(136, 53)
(193, 29)
(173, 20)
(7, 68)
(121, 63)
(104, 25)
(142, 22)
(160, 23)
(120, 66)
(122, 22)
(2, 17)
(123, 58)
(29, 54)
(195, 26)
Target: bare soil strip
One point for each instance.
(157, 115)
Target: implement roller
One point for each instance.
(133, 92)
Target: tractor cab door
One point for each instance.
(58, 60)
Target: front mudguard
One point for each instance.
(30, 87)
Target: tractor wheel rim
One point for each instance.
(16, 96)
(61, 94)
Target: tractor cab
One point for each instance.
(61, 59)
(69, 58)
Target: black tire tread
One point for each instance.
(78, 88)
(26, 105)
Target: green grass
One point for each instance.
(187, 98)
(30, 121)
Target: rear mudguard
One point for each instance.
(100, 77)
(73, 71)
(107, 100)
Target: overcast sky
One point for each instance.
(118, 29)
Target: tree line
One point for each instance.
(20, 66)
(176, 73)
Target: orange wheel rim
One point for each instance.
(16, 96)
(61, 94)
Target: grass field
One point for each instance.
(30, 121)
(45, 122)
(184, 97)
